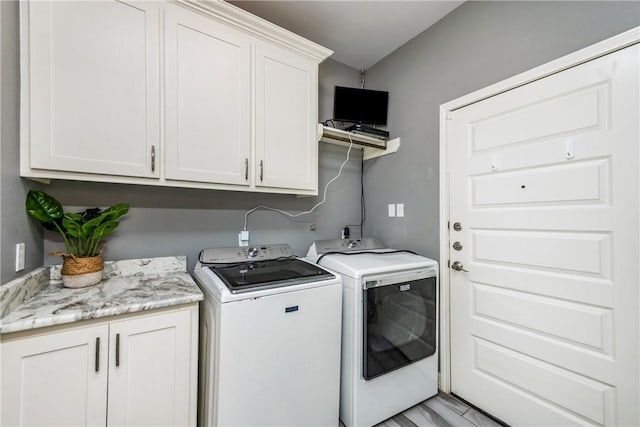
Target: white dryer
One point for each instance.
(389, 356)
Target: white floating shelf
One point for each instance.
(372, 147)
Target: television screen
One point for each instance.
(360, 105)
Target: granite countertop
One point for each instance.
(38, 299)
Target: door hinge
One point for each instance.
(448, 225)
(448, 263)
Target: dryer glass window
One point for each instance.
(399, 325)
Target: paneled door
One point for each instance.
(544, 281)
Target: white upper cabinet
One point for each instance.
(187, 94)
(286, 114)
(208, 99)
(91, 76)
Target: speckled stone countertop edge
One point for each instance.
(35, 301)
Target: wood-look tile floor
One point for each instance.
(441, 410)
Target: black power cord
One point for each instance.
(364, 252)
(363, 207)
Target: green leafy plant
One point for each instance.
(82, 232)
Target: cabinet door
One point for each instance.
(93, 86)
(55, 379)
(208, 80)
(152, 376)
(286, 92)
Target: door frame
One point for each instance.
(589, 53)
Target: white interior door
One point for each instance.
(544, 183)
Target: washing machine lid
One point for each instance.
(249, 268)
(249, 276)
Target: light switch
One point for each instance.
(20, 257)
(400, 210)
(392, 210)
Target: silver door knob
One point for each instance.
(458, 266)
(457, 226)
(457, 246)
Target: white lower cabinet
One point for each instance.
(141, 370)
(56, 379)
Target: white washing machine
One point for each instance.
(269, 339)
(389, 327)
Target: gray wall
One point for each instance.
(167, 221)
(478, 44)
(15, 227)
(170, 221)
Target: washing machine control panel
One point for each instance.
(245, 253)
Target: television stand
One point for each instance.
(372, 147)
(367, 129)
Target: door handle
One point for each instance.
(153, 158)
(261, 170)
(458, 266)
(246, 169)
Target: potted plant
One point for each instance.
(82, 234)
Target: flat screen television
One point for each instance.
(360, 105)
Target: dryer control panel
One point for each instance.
(320, 247)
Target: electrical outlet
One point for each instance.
(20, 257)
(392, 210)
(243, 238)
(400, 210)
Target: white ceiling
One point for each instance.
(360, 33)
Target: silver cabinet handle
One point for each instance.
(261, 170)
(153, 158)
(117, 350)
(246, 169)
(97, 354)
